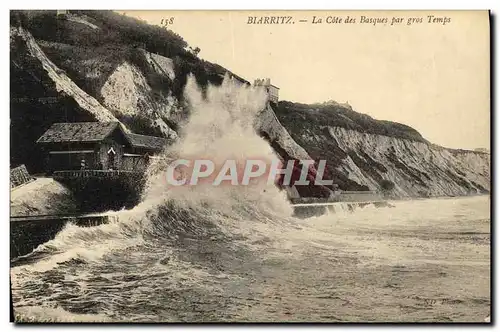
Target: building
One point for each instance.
(97, 146)
(272, 90)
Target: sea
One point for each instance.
(237, 253)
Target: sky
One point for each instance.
(430, 76)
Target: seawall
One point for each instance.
(111, 190)
(342, 196)
(306, 207)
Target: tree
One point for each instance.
(194, 51)
(387, 187)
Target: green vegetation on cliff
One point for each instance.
(334, 114)
(88, 53)
(308, 125)
(115, 39)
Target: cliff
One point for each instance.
(102, 66)
(97, 66)
(363, 153)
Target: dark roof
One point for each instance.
(78, 132)
(149, 142)
(96, 132)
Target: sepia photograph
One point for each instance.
(235, 166)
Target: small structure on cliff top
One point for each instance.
(100, 146)
(19, 176)
(272, 90)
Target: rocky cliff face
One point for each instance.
(415, 168)
(62, 83)
(134, 86)
(127, 93)
(271, 128)
(364, 154)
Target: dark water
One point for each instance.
(425, 260)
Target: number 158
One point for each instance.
(167, 21)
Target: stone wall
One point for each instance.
(341, 196)
(100, 191)
(26, 234)
(18, 176)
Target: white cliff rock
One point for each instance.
(442, 172)
(62, 82)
